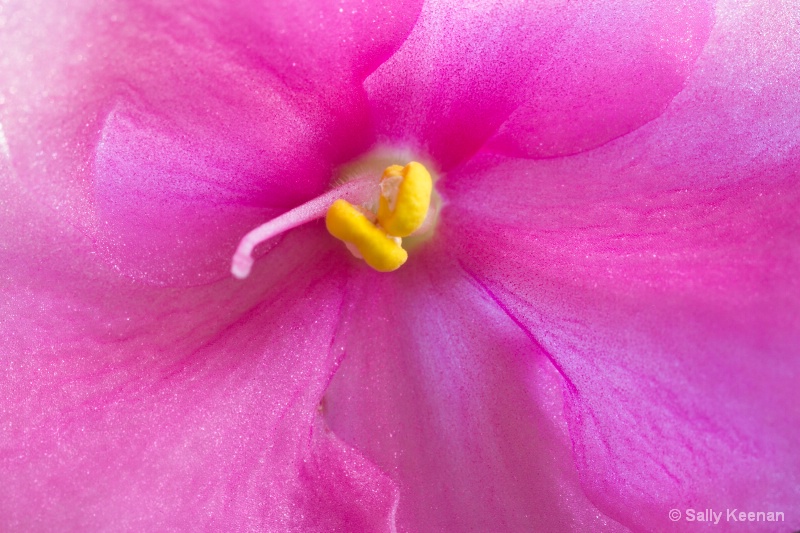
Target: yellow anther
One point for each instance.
(348, 224)
(405, 198)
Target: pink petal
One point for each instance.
(690, 389)
(447, 395)
(559, 76)
(659, 273)
(133, 408)
(167, 130)
(673, 318)
(617, 66)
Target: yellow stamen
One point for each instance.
(405, 198)
(348, 224)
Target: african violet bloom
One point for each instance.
(602, 325)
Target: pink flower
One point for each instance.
(604, 327)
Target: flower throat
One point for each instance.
(371, 217)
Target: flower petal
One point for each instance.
(449, 397)
(175, 118)
(672, 318)
(659, 273)
(146, 409)
(559, 76)
(617, 66)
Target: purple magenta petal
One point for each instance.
(674, 323)
(131, 408)
(615, 68)
(687, 384)
(179, 125)
(446, 394)
(559, 76)
(659, 273)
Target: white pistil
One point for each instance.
(356, 192)
(389, 189)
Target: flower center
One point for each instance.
(371, 217)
